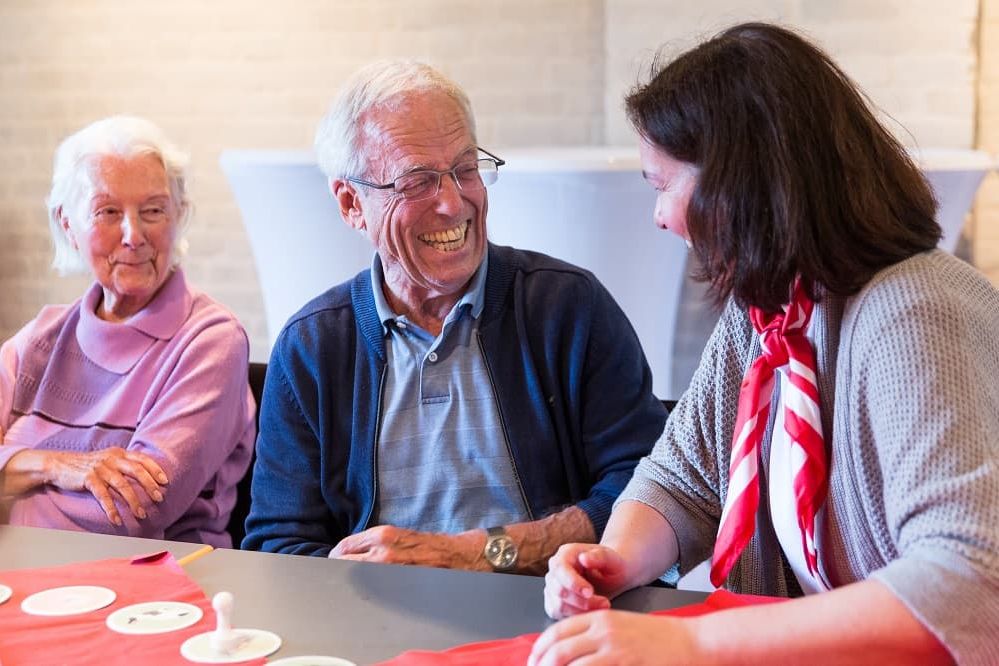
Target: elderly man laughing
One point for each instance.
(459, 404)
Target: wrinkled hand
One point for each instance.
(582, 577)
(395, 545)
(616, 637)
(107, 470)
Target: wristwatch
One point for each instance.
(500, 550)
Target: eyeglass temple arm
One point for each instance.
(366, 183)
(499, 161)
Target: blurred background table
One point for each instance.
(585, 204)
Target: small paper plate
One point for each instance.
(154, 617)
(5, 593)
(311, 660)
(70, 600)
(253, 644)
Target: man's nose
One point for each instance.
(449, 194)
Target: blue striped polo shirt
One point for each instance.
(443, 462)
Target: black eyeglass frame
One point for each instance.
(498, 161)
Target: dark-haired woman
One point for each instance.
(839, 441)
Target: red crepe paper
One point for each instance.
(515, 651)
(85, 638)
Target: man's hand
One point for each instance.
(395, 545)
(536, 540)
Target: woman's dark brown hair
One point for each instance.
(797, 177)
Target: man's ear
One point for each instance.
(67, 228)
(351, 208)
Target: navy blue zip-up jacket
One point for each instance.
(573, 388)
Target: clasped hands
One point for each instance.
(581, 581)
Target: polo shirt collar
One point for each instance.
(474, 296)
(117, 347)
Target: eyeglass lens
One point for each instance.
(471, 176)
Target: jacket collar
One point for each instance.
(499, 273)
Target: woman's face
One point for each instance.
(123, 224)
(674, 181)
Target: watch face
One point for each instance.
(501, 552)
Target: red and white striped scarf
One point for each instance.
(782, 337)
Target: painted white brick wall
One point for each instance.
(238, 74)
(916, 60)
(986, 220)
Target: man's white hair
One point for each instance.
(338, 138)
(123, 136)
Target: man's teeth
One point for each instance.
(447, 236)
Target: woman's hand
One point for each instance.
(106, 471)
(582, 577)
(616, 637)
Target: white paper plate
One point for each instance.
(253, 644)
(311, 660)
(70, 600)
(154, 617)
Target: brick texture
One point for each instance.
(985, 227)
(916, 61)
(230, 74)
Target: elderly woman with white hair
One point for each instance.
(127, 412)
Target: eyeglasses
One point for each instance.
(470, 176)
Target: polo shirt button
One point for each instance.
(432, 357)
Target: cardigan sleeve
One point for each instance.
(289, 512)
(926, 418)
(619, 416)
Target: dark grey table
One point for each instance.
(30, 547)
(370, 612)
(362, 612)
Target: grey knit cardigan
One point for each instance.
(909, 379)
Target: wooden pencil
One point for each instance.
(187, 559)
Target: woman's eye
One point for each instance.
(657, 186)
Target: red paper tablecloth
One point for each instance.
(85, 638)
(515, 651)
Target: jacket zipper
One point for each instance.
(374, 449)
(506, 434)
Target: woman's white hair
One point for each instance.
(338, 138)
(124, 136)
